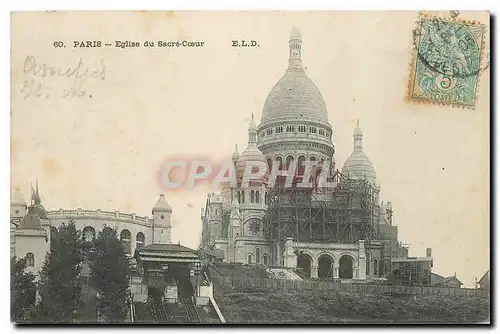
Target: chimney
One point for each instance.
(428, 252)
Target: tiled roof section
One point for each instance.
(167, 248)
(31, 221)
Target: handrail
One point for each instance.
(217, 310)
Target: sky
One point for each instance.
(105, 148)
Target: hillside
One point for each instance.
(255, 305)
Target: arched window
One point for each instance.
(249, 258)
(257, 255)
(265, 257)
(301, 165)
(216, 212)
(280, 163)
(321, 131)
(375, 267)
(257, 196)
(368, 263)
(269, 163)
(139, 240)
(252, 196)
(125, 238)
(30, 259)
(242, 197)
(88, 234)
(289, 160)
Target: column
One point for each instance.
(361, 268)
(335, 270)
(314, 271)
(290, 257)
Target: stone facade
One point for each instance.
(135, 231)
(294, 129)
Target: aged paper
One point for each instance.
(113, 113)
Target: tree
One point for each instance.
(109, 275)
(23, 289)
(60, 288)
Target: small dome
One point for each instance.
(358, 166)
(253, 156)
(162, 205)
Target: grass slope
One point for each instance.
(250, 305)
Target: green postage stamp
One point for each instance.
(447, 61)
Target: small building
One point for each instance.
(449, 282)
(411, 271)
(165, 271)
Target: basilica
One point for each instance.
(345, 232)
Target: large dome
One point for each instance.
(294, 97)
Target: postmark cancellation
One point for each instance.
(448, 58)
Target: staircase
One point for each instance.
(190, 309)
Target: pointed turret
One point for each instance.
(236, 154)
(162, 205)
(162, 221)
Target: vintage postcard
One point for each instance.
(184, 167)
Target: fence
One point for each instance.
(275, 284)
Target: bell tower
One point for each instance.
(162, 221)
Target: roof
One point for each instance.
(411, 259)
(486, 277)
(438, 279)
(162, 205)
(166, 248)
(167, 253)
(31, 221)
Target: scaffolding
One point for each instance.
(343, 214)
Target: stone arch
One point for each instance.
(325, 265)
(304, 263)
(346, 266)
(257, 196)
(140, 240)
(125, 237)
(257, 255)
(265, 257)
(107, 230)
(88, 234)
(250, 258)
(252, 196)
